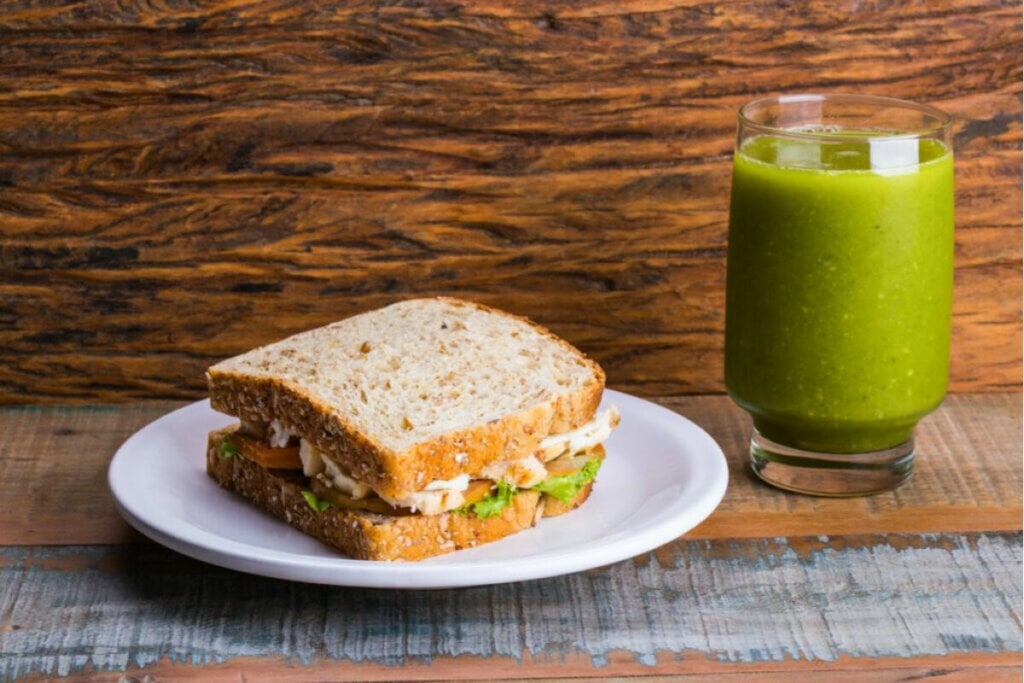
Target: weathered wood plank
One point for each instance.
(968, 476)
(53, 469)
(957, 668)
(53, 463)
(695, 606)
(179, 184)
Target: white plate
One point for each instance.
(663, 475)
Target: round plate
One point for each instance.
(663, 475)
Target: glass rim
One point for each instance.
(943, 119)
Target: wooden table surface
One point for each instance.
(922, 582)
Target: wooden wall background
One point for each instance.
(180, 181)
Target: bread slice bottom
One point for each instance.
(369, 535)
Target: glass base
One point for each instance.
(831, 474)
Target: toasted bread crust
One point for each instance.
(398, 474)
(366, 535)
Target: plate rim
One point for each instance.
(669, 524)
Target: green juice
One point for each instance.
(839, 292)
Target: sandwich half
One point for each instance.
(413, 430)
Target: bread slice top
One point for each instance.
(420, 391)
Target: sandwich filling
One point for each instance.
(562, 466)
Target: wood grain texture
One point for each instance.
(53, 469)
(180, 183)
(693, 606)
(956, 668)
(53, 464)
(968, 476)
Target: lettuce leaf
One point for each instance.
(496, 502)
(567, 486)
(315, 503)
(227, 449)
(563, 487)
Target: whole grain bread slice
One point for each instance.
(368, 535)
(419, 391)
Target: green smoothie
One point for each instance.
(839, 291)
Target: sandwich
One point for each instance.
(421, 428)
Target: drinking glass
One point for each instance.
(839, 286)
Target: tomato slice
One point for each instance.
(286, 458)
(477, 491)
(346, 502)
(569, 463)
